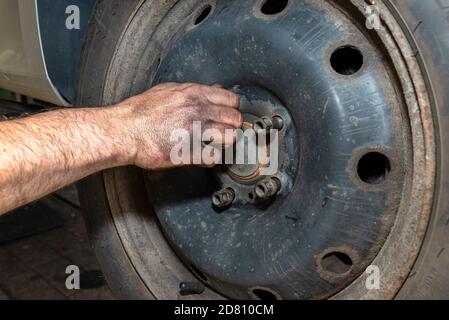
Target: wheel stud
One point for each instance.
(267, 123)
(191, 288)
(223, 198)
(267, 188)
(263, 123)
(278, 123)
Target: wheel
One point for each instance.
(361, 180)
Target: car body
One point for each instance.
(39, 55)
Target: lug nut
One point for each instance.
(267, 124)
(278, 123)
(191, 288)
(262, 124)
(268, 188)
(223, 198)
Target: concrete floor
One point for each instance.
(34, 267)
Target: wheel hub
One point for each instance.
(255, 162)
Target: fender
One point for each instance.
(39, 55)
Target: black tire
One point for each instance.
(428, 25)
(428, 22)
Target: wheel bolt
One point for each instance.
(223, 198)
(267, 124)
(191, 288)
(268, 188)
(278, 123)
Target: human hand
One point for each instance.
(151, 117)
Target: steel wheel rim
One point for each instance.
(388, 291)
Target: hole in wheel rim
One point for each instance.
(272, 7)
(373, 168)
(336, 263)
(347, 60)
(264, 294)
(205, 12)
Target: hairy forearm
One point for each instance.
(45, 152)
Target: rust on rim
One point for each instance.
(400, 251)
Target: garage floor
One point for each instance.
(34, 267)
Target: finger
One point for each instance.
(224, 115)
(219, 96)
(174, 86)
(219, 135)
(165, 85)
(186, 85)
